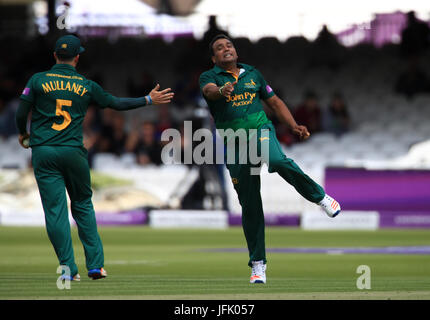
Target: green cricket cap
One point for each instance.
(68, 46)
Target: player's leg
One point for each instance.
(247, 187)
(53, 195)
(78, 184)
(291, 172)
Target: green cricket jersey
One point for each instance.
(243, 109)
(60, 98)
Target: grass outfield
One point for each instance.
(172, 264)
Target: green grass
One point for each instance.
(172, 264)
(100, 180)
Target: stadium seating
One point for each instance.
(385, 125)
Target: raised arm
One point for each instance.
(284, 115)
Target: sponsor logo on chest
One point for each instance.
(241, 99)
(250, 85)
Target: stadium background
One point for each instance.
(363, 92)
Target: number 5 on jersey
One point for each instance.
(60, 112)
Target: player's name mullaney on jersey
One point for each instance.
(55, 85)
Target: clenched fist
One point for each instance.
(301, 131)
(227, 89)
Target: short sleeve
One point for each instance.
(101, 97)
(205, 78)
(28, 93)
(266, 91)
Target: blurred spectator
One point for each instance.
(113, 135)
(283, 133)
(143, 86)
(212, 31)
(187, 90)
(7, 117)
(8, 87)
(144, 144)
(415, 37)
(106, 127)
(189, 54)
(413, 81)
(91, 131)
(336, 118)
(326, 50)
(165, 119)
(308, 113)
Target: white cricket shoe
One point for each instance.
(258, 273)
(330, 206)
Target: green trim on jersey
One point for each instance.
(60, 99)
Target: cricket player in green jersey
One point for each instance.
(233, 92)
(58, 99)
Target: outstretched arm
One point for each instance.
(154, 97)
(284, 115)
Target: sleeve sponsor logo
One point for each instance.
(269, 89)
(26, 91)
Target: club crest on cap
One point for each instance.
(64, 45)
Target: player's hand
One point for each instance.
(24, 140)
(301, 131)
(161, 97)
(228, 89)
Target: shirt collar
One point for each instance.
(63, 66)
(219, 70)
